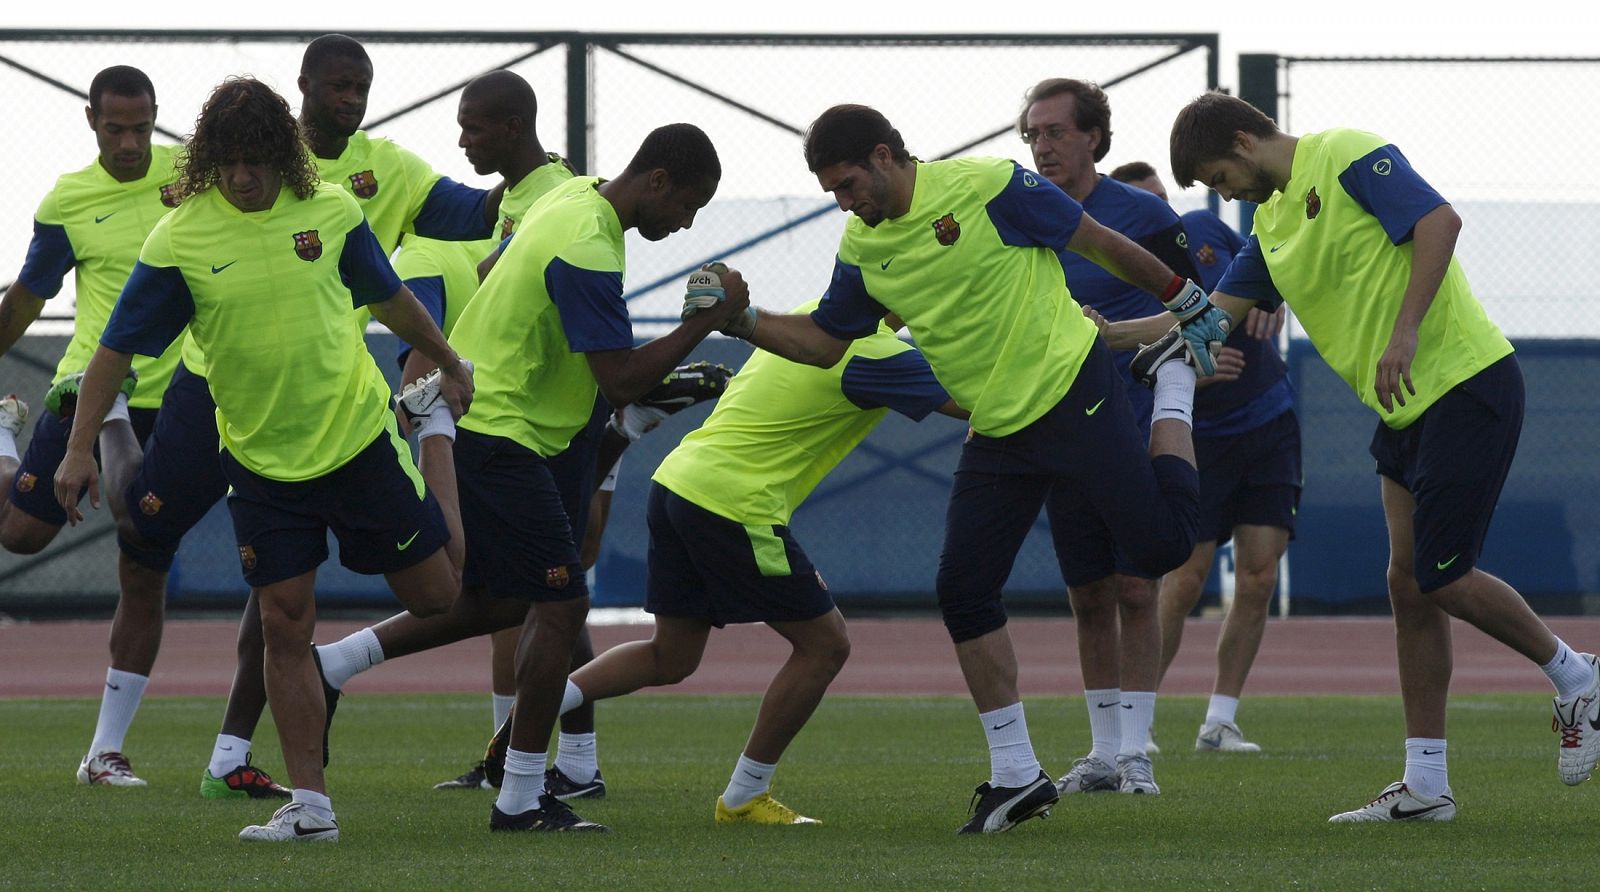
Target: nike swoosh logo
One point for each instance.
(1125, 705)
(1275, 249)
(226, 749)
(1095, 408)
(753, 774)
(306, 831)
(1108, 705)
(218, 269)
(401, 546)
(1400, 814)
(885, 264)
(1444, 565)
(1595, 725)
(114, 687)
(105, 218)
(1431, 752)
(1006, 725)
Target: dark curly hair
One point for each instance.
(244, 119)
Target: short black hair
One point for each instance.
(505, 93)
(682, 150)
(329, 47)
(120, 80)
(847, 134)
(1205, 129)
(1133, 171)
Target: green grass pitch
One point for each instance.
(890, 778)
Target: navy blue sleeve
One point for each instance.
(902, 382)
(1032, 212)
(1247, 277)
(453, 212)
(847, 311)
(1387, 187)
(151, 312)
(1171, 246)
(593, 313)
(50, 258)
(364, 268)
(430, 293)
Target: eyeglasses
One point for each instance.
(1048, 134)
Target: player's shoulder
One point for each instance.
(1131, 201)
(1344, 143)
(982, 174)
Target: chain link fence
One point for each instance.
(599, 95)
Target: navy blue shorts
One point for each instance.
(519, 542)
(376, 505)
(33, 487)
(1252, 477)
(1086, 460)
(706, 566)
(574, 469)
(1454, 460)
(181, 477)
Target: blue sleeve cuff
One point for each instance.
(902, 382)
(49, 260)
(151, 312)
(1385, 184)
(1247, 277)
(593, 314)
(365, 269)
(453, 212)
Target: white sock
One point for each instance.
(8, 444)
(118, 410)
(228, 753)
(1426, 774)
(1568, 671)
(1221, 709)
(118, 704)
(1138, 713)
(1011, 759)
(1105, 723)
(571, 698)
(350, 656)
(750, 779)
(1174, 393)
(639, 420)
(523, 784)
(319, 803)
(439, 423)
(502, 708)
(576, 757)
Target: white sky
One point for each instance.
(1530, 27)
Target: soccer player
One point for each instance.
(1362, 248)
(965, 251)
(400, 194)
(93, 222)
(1247, 445)
(1067, 125)
(549, 330)
(309, 442)
(721, 550)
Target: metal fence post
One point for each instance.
(580, 102)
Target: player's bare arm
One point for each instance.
(797, 339)
(404, 315)
(1119, 255)
(1129, 334)
(18, 309)
(626, 375)
(1434, 243)
(78, 471)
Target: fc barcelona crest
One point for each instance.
(947, 230)
(506, 226)
(556, 578)
(247, 557)
(169, 195)
(150, 504)
(364, 184)
(1206, 255)
(25, 482)
(308, 245)
(1313, 204)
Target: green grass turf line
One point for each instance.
(890, 778)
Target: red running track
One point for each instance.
(889, 656)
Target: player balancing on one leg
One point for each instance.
(93, 223)
(1048, 408)
(1404, 330)
(309, 441)
(1247, 445)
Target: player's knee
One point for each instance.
(833, 653)
(144, 551)
(967, 617)
(1255, 583)
(673, 666)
